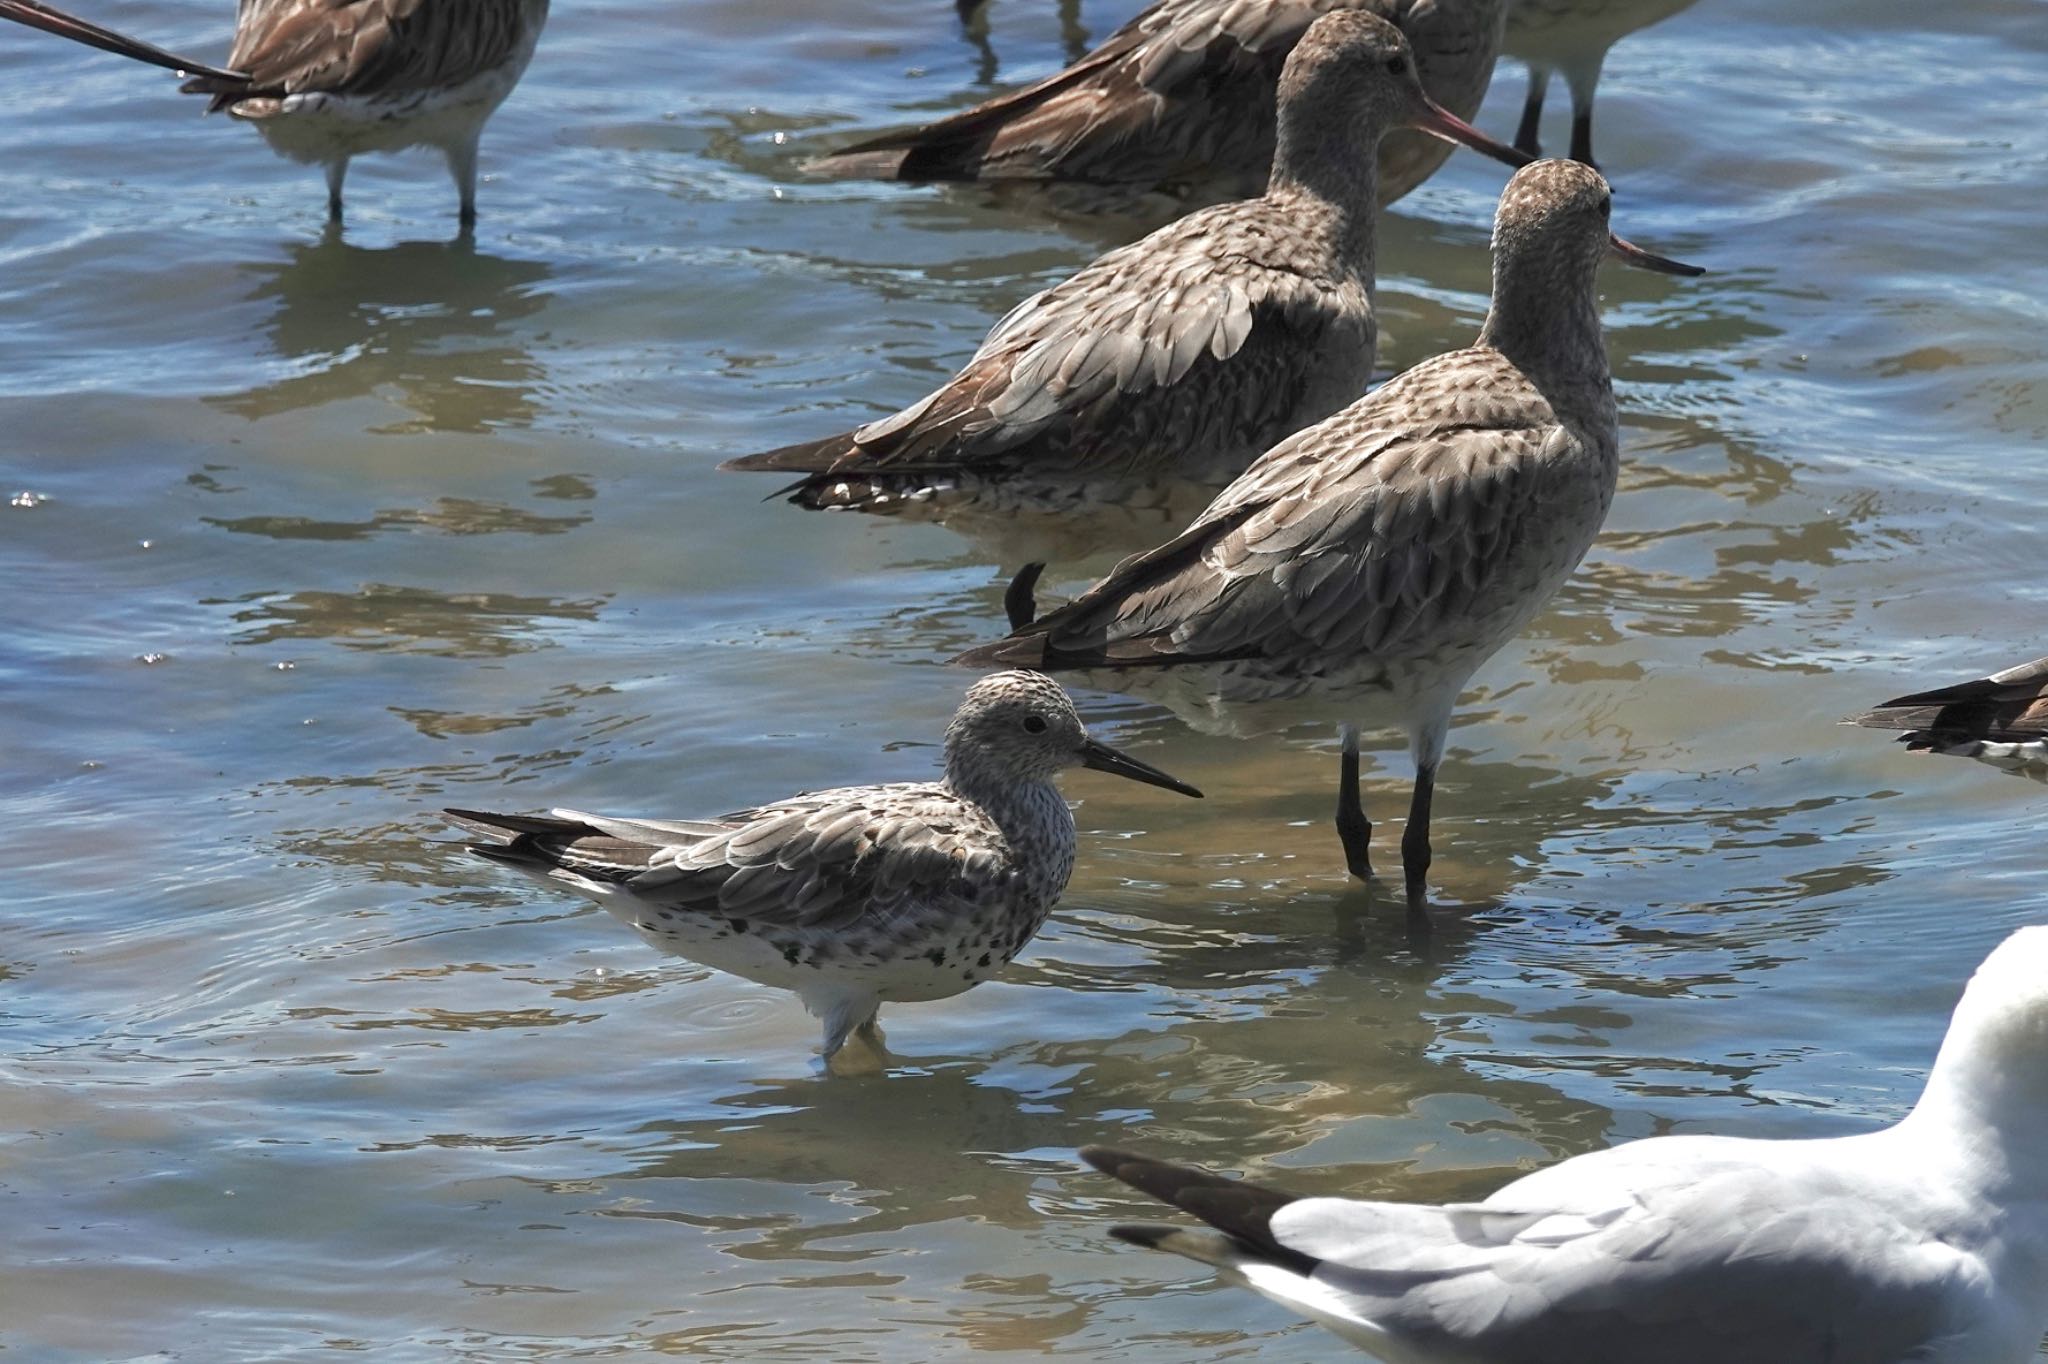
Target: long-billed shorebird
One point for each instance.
(857, 896)
(1926, 1241)
(1369, 564)
(1187, 352)
(325, 81)
(2001, 719)
(1572, 36)
(1182, 99)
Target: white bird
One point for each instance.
(1923, 1243)
(325, 81)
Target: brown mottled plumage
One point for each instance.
(1385, 553)
(327, 80)
(2001, 719)
(1182, 99)
(1184, 353)
(860, 895)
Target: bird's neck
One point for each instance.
(1984, 1108)
(1546, 321)
(1327, 173)
(1011, 802)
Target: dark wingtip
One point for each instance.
(1020, 598)
(1106, 1158)
(1014, 651)
(1146, 1234)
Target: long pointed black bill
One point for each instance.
(1649, 260)
(1103, 758)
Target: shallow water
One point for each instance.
(311, 536)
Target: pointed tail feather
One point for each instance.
(805, 457)
(1239, 1209)
(37, 15)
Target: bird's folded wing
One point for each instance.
(1723, 1265)
(1126, 355)
(1350, 537)
(363, 46)
(2009, 706)
(828, 859)
(1083, 121)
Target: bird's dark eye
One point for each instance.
(1606, 208)
(1034, 724)
(1397, 66)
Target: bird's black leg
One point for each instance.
(1415, 838)
(337, 171)
(1584, 81)
(1532, 112)
(1353, 828)
(1582, 136)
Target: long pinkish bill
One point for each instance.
(1649, 260)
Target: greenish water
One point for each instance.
(284, 1075)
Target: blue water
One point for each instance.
(402, 524)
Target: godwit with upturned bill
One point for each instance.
(1183, 354)
(1369, 564)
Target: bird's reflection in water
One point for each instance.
(430, 326)
(1272, 1074)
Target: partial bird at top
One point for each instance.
(1181, 99)
(325, 81)
(1185, 353)
(2001, 720)
(1572, 36)
(1923, 1243)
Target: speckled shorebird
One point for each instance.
(1386, 553)
(1185, 353)
(858, 896)
(1925, 1242)
(325, 81)
(2001, 720)
(1572, 36)
(1182, 99)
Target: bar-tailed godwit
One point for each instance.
(325, 81)
(1181, 99)
(1185, 353)
(1368, 565)
(857, 896)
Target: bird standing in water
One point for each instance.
(1183, 354)
(857, 896)
(1370, 564)
(1181, 100)
(325, 81)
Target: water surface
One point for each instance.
(311, 535)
